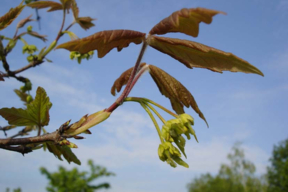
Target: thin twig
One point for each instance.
(21, 149)
(62, 26)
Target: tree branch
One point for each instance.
(55, 137)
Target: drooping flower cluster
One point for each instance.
(172, 131)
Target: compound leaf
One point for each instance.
(193, 54)
(104, 41)
(185, 21)
(9, 17)
(170, 87)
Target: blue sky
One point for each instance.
(238, 106)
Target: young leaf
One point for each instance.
(24, 21)
(85, 22)
(22, 95)
(53, 6)
(123, 80)
(185, 21)
(37, 112)
(175, 91)
(67, 153)
(104, 41)
(194, 54)
(9, 17)
(72, 35)
(35, 34)
(75, 9)
(67, 4)
(168, 86)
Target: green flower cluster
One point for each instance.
(30, 49)
(79, 56)
(172, 131)
(167, 152)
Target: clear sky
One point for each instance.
(239, 107)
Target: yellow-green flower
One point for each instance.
(167, 152)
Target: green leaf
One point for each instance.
(67, 153)
(22, 95)
(9, 17)
(37, 112)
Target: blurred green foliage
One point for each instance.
(237, 176)
(278, 170)
(76, 181)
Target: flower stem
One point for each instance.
(156, 112)
(154, 121)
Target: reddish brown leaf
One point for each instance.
(85, 22)
(9, 17)
(24, 21)
(194, 54)
(75, 9)
(123, 79)
(178, 94)
(185, 21)
(52, 5)
(67, 4)
(104, 41)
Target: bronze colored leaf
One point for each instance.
(52, 5)
(104, 41)
(67, 4)
(24, 21)
(75, 9)
(85, 22)
(9, 17)
(178, 94)
(35, 34)
(185, 21)
(123, 79)
(194, 54)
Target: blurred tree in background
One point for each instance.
(238, 176)
(75, 181)
(14, 190)
(278, 171)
